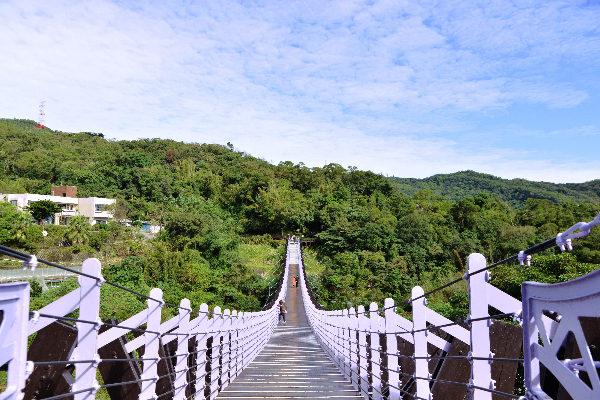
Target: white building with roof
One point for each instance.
(96, 209)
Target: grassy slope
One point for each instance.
(310, 259)
(259, 256)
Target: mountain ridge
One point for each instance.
(516, 191)
(452, 186)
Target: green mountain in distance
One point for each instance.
(514, 191)
(37, 157)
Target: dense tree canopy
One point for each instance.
(378, 236)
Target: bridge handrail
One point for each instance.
(364, 344)
(238, 336)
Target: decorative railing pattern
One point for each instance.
(195, 354)
(387, 356)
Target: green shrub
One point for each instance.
(35, 288)
(96, 240)
(103, 235)
(544, 269)
(16, 228)
(83, 248)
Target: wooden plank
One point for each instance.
(166, 371)
(164, 368)
(118, 372)
(453, 370)
(191, 363)
(506, 341)
(51, 380)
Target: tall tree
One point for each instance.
(42, 209)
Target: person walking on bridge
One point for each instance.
(282, 311)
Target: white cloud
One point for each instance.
(384, 85)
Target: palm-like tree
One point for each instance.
(78, 231)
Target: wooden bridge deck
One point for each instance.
(293, 365)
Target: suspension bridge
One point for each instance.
(292, 365)
(368, 352)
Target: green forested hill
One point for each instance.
(514, 191)
(153, 176)
(374, 241)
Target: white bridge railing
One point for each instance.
(429, 357)
(209, 348)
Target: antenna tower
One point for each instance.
(41, 123)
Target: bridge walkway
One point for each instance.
(292, 365)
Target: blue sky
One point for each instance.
(404, 88)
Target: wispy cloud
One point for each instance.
(392, 86)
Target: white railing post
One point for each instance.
(226, 348)
(247, 319)
(14, 306)
(235, 345)
(334, 332)
(150, 372)
(217, 326)
(363, 373)
(239, 333)
(181, 365)
(201, 348)
(345, 345)
(419, 314)
(241, 341)
(330, 332)
(481, 370)
(254, 335)
(242, 336)
(87, 334)
(375, 350)
(264, 321)
(352, 328)
(319, 327)
(392, 349)
(248, 337)
(343, 334)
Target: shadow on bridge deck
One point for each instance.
(292, 364)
